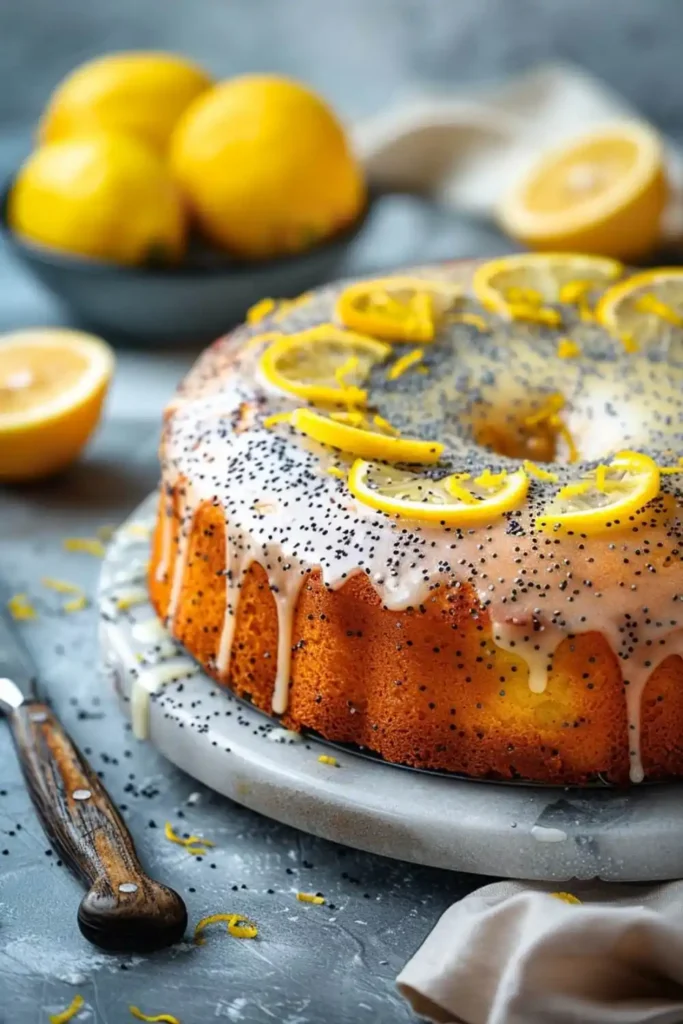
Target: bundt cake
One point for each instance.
(439, 516)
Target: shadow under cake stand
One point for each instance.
(517, 831)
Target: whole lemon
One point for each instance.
(137, 93)
(109, 197)
(266, 166)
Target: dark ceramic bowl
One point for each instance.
(197, 301)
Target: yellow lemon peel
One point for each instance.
(326, 759)
(20, 608)
(77, 604)
(404, 363)
(336, 471)
(238, 926)
(308, 897)
(76, 1004)
(568, 349)
(473, 319)
(260, 310)
(566, 897)
(277, 417)
(194, 845)
(650, 303)
(396, 308)
(159, 1018)
(538, 472)
(85, 545)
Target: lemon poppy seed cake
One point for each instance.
(438, 516)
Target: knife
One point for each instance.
(124, 910)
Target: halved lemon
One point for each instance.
(366, 435)
(603, 193)
(605, 496)
(454, 500)
(52, 386)
(324, 364)
(397, 308)
(642, 309)
(523, 285)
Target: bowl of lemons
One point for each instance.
(158, 205)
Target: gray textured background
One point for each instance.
(310, 964)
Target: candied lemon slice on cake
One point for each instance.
(397, 308)
(366, 435)
(643, 309)
(604, 497)
(457, 499)
(524, 286)
(52, 386)
(602, 193)
(324, 364)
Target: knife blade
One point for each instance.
(123, 910)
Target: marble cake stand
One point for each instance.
(541, 833)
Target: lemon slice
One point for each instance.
(644, 308)
(397, 308)
(371, 437)
(323, 364)
(52, 386)
(524, 285)
(602, 193)
(604, 497)
(454, 500)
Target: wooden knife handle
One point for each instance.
(124, 910)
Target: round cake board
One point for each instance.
(539, 833)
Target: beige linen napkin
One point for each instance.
(510, 953)
(468, 150)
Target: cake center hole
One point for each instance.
(534, 427)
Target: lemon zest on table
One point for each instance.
(160, 1018)
(105, 532)
(61, 586)
(565, 897)
(84, 545)
(538, 472)
(336, 471)
(20, 608)
(309, 897)
(72, 1009)
(77, 604)
(124, 603)
(194, 845)
(235, 927)
(277, 417)
(649, 303)
(404, 363)
(568, 349)
(326, 759)
(260, 310)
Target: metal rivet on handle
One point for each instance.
(128, 887)
(81, 794)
